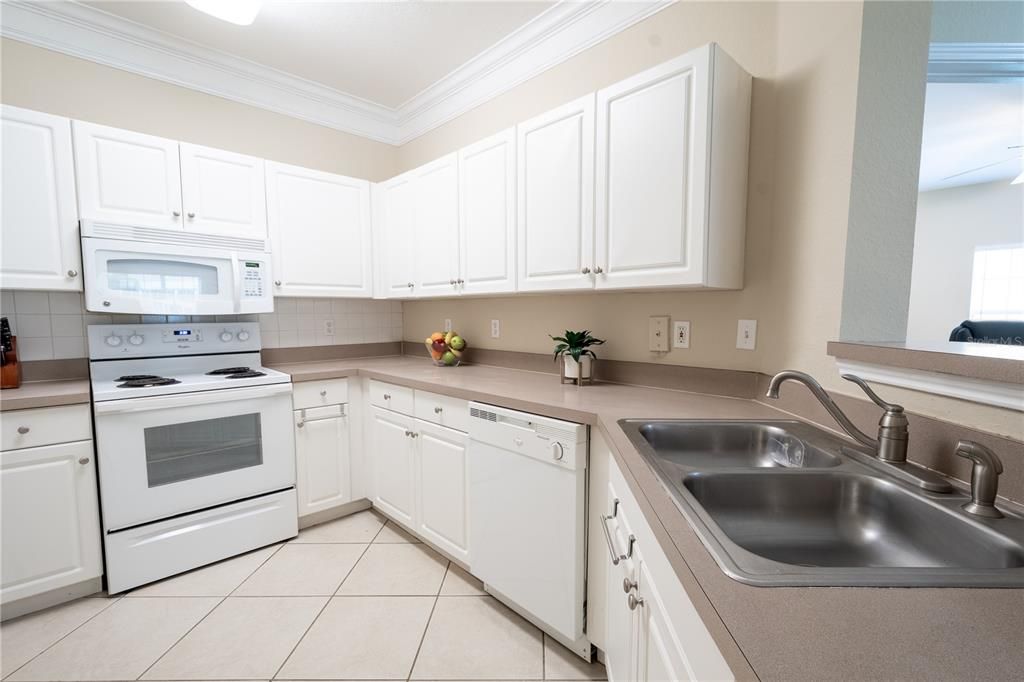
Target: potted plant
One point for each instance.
(574, 349)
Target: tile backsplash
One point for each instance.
(50, 325)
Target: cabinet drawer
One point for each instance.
(443, 410)
(45, 426)
(319, 393)
(391, 397)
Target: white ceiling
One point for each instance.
(969, 132)
(383, 52)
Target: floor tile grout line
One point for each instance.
(113, 600)
(426, 627)
(320, 612)
(207, 614)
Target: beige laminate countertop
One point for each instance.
(45, 394)
(777, 633)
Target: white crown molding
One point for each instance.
(1000, 394)
(552, 37)
(975, 62)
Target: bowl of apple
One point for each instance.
(445, 348)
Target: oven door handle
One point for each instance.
(190, 399)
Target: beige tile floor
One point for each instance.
(352, 599)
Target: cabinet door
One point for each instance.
(51, 528)
(652, 145)
(392, 455)
(659, 656)
(620, 622)
(487, 232)
(395, 208)
(556, 198)
(322, 458)
(125, 177)
(39, 220)
(436, 191)
(223, 192)
(320, 233)
(441, 480)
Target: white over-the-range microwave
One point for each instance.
(147, 271)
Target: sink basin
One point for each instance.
(703, 445)
(782, 502)
(849, 520)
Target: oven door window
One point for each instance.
(154, 277)
(180, 452)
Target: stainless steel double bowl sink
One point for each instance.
(785, 503)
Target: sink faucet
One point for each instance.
(984, 479)
(893, 434)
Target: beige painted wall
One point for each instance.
(43, 80)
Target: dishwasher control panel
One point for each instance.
(561, 443)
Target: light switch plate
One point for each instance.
(447, 324)
(681, 334)
(657, 334)
(746, 334)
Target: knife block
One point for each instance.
(10, 371)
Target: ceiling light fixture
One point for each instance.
(241, 12)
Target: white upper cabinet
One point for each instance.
(126, 177)
(671, 161)
(556, 198)
(487, 232)
(319, 232)
(436, 227)
(393, 232)
(223, 192)
(39, 220)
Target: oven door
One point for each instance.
(143, 278)
(165, 455)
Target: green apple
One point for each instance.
(458, 343)
(448, 358)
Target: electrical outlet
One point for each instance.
(328, 328)
(746, 334)
(681, 334)
(495, 329)
(447, 324)
(657, 334)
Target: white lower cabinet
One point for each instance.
(393, 456)
(651, 630)
(50, 517)
(322, 458)
(441, 483)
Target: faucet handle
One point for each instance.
(888, 407)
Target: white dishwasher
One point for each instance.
(527, 496)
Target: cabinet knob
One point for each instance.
(438, 410)
(414, 434)
(628, 585)
(408, 433)
(191, 215)
(72, 273)
(83, 460)
(460, 281)
(411, 285)
(585, 271)
(23, 430)
(106, 304)
(323, 392)
(387, 396)
(598, 270)
(633, 601)
(452, 282)
(300, 424)
(176, 214)
(277, 282)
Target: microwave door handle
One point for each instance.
(190, 399)
(236, 273)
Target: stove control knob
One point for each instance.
(113, 341)
(243, 335)
(226, 336)
(136, 339)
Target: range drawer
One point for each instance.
(319, 393)
(391, 397)
(443, 410)
(45, 426)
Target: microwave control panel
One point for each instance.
(252, 279)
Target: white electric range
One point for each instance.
(194, 446)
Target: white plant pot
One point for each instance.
(577, 370)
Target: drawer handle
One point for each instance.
(634, 601)
(605, 518)
(438, 410)
(23, 430)
(83, 461)
(342, 412)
